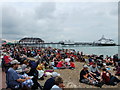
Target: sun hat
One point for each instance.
(62, 59)
(14, 62)
(85, 66)
(55, 74)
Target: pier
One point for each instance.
(37, 42)
(53, 44)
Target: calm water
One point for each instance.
(111, 50)
(101, 50)
(98, 50)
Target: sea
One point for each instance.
(97, 50)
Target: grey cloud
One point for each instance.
(10, 23)
(45, 10)
(61, 21)
(10, 17)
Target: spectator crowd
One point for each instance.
(22, 72)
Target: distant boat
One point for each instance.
(67, 42)
(105, 42)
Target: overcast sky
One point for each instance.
(57, 21)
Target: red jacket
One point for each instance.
(6, 59)
(105, 77)
(72, 64)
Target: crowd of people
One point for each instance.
(22, 72)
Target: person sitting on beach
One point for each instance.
(42, 71)
(52, 64)
(13, 79)
(86, 77)
(67, 60)
(72, 65)
(108, 61)
(56, 62)
(115, 59)
(24, 68)
(86, 59)
(61, 64)
(51, 81)
(17, 56)
(90, 60)
(93, 69)
(118, 69)
(41, 66)
(58, 84)
(37, 57)
(34, 72)
(23, 58)
(107, 78)
(7, 58)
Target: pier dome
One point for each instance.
(31, 40)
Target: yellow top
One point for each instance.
(40, 67)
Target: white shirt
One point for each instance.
(67, 60)
(55, 87)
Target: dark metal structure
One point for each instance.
(31, 41)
